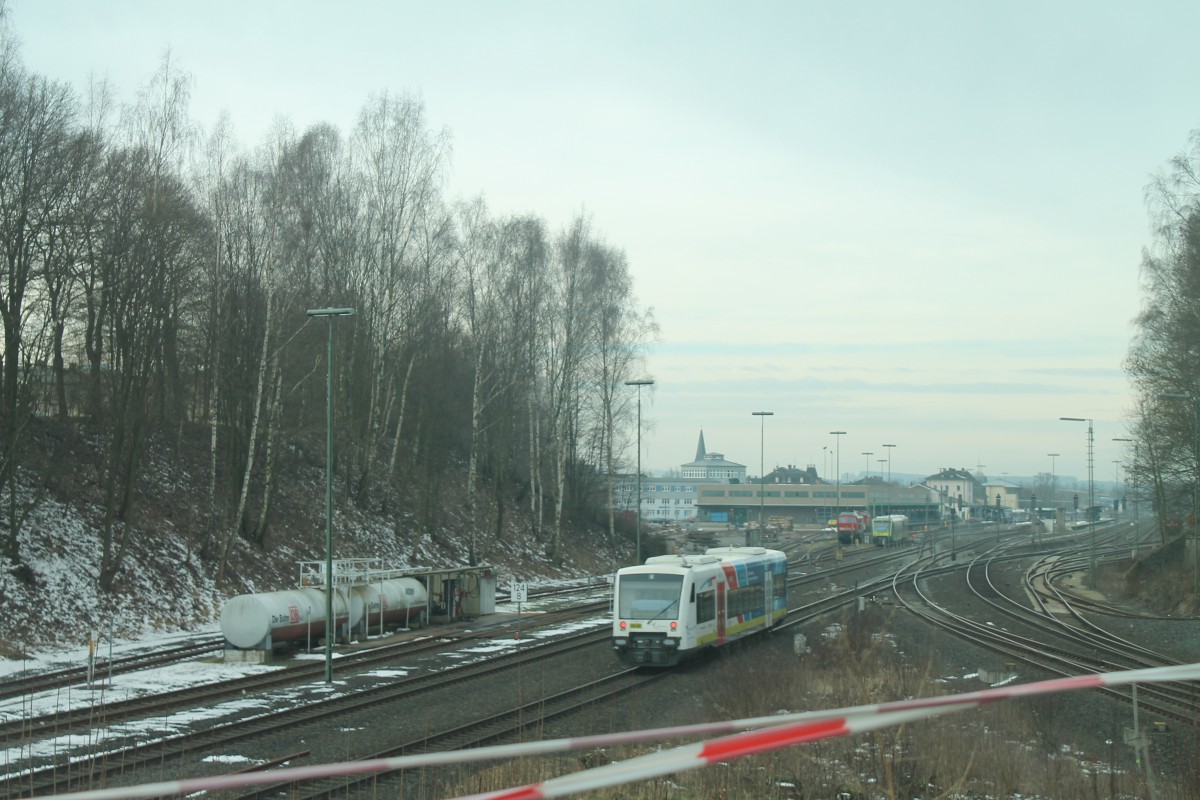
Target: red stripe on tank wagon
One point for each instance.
(772, 739)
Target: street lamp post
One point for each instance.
(762, 482)
(891, 499)
(1091, 501)
(1116, 482)
(1136, 533)
(637, 556)
(1053, 487)
(1195, 488)
(953, 520)
(867, 479)
(329, 314)
(837, 492)
(881, 462)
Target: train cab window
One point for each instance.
(649, 596)
(706, 606)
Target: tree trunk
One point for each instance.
(236, 523)
(391, 473)
(259, 534)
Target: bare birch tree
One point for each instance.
(401, 168)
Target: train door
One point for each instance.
(769, 598)
(720, 612)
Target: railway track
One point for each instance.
(130, 765)
(513, 722)
(506, 725)
(1046, 644)
(83, 718)
(106, 766)
(33, 682)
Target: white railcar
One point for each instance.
(674, 606)
(890, 529)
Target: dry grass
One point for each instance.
(1000, 751)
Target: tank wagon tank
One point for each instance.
(271, 620)
(399, 602)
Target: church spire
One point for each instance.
(700, 452)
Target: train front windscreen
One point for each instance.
(648, 596)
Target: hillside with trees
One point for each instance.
(160, 367)
(1164, 357)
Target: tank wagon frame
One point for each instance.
(675, 606)
(368, 596)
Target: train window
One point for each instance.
(652, 596)
(706, 606)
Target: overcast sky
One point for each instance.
(919, 223)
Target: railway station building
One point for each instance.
(959, 489)
(711, 488)
(672, 499)
(814, 503)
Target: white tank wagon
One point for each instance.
(395, 603)
(265, 620)
(268, 620)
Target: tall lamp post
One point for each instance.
(1053, 486)
(1091, 501)
(1136, 533)
(762, 481)
(891, 500)
(881, 462)
(329, 314)
(838, 469)
(1116, 482)
(867, 480)
(637, 556)
(1195, 487)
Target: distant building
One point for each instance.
(712, 467)
(673, 499)
(793, 474)
(1009, 493)
(958, 488)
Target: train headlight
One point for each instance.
(623, 625)
(674, 625)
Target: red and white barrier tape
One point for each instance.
(830, 725)
(768, 733)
